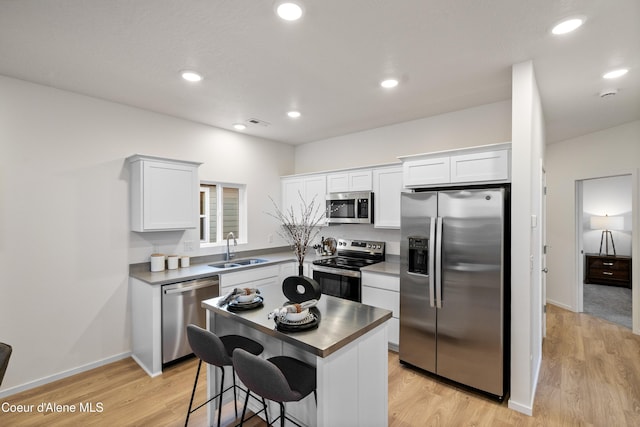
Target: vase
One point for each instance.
(301, 288)
(300, 270)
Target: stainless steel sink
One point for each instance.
(238, 263)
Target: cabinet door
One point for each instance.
(291, 189)
(311, 188)
(429, 171)
(170, 196)
(387, 187)
(337, 182)
(360, 180)
(315, 189)
(487, 166)
(164, 194)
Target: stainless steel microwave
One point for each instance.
(350, 208)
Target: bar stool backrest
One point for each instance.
(5, 354)
(207, 346)
(263, 377)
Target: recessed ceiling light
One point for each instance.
(191, 76)
(567, 26)
(289, 11)
(615, 73)
(389, 83)
(293, 114)
(239, 126)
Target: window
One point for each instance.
(222, 211)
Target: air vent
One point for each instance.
(258, 122)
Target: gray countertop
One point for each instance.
(391, 268)
(342, 321)
(200, 270)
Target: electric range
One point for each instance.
(340, 275)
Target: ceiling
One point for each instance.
(448, 55)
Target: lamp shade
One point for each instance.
(607, 222)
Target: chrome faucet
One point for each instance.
(235, 243)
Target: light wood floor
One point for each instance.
(590, 376)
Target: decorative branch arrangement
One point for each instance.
(299, 230)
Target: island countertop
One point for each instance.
(341, 321)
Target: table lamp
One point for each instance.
(606, 224)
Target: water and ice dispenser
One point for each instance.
(419, 255)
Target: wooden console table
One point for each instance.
(608, 270)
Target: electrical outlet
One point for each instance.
(188, 246)
(270, 238)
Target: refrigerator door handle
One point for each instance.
(438, 261)
(430, 272)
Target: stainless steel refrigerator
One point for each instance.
(454, 285)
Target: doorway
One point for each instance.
(605, 218)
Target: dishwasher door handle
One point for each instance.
(188, 288)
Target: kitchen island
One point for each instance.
(348, 349)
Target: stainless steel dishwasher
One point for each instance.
(180, 307)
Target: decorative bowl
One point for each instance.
(246, 298)
(296, 317)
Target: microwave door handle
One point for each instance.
(438, 279)
(430, 265)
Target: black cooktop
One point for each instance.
(345, 262)
(354, 254)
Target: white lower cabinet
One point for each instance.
(257, 277)
(383, 290)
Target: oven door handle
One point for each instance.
(337, 271)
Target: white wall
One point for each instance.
(65, 244)
(486, 124)
(526, 290)
(610, 152)
(607, 196)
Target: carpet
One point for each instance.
(611, 303)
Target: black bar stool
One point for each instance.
(5, 354)
(217, 351)
(280, 379)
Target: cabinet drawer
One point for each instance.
(608, 264)
(388, 300)
(609, 274)
(381, 281)
(250, 275)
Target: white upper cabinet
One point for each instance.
(387, 186)
(164, 194)
(429, 171)
(485, 164)
(358, 180)
(310, 187)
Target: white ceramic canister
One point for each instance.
(157, 262)
(185, 261)
(172, 262)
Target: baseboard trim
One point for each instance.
(561, 305)
(64, 374)
(144, 368)
(524, 409)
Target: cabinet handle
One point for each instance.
(607, 263)
(607, 273)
